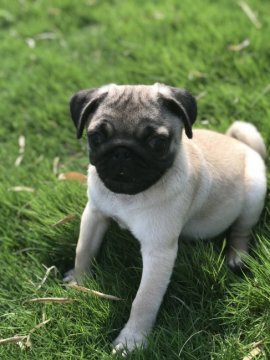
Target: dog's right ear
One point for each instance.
(83, 104)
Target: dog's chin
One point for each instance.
(127, 187)
(131, 177)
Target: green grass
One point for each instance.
(208, 312)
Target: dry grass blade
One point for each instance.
(94, 292)
(23, 341)
(19, 160)
(66, 219)
(195, 74)
(14, 339)
(21, 142)
(72, 175)
(55, 165)
(46, 275)
(205, 122)
(31, 43)
(55, 300)
(250, 14)
(27, 343)
(244, 44)
(38, 326)
(21, 188)
(200, 95)
(254, 352)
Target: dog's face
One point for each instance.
(133, 131)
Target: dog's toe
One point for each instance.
(69, 277)
(236, 264)
(120, 349)
(127, 342)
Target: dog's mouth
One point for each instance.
(125, 186)
(124, 171)
(130, 184)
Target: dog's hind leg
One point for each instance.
(238, 245)
(239, 234)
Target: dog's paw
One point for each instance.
(69, 277)
(72, 277)
(236, 262)
(128, 341)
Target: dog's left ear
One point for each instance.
(83, 104)
(182, 104)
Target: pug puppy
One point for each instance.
(156, 177)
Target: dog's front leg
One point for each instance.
(92, 229)
(158, 262)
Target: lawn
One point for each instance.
(49, 50)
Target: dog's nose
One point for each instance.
(121, 154)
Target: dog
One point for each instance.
(156, 176)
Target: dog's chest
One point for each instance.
(114, 206)
(118, 208)
(153, 215)
(120, 222)
(146, 221)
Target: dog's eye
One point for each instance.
(95, 139)
(159, 144)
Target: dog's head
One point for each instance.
(133, 131)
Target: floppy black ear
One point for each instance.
(82, 105)
(183, 104)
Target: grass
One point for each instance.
(49, 50)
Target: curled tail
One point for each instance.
(249, 135)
